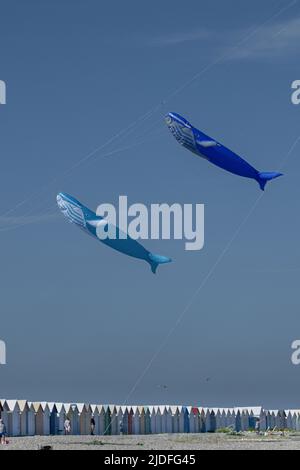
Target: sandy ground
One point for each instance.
(248, 441)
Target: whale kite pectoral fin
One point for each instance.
(156, 260)
(207, 143)
(264, 177)
(95, 223)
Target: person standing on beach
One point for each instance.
(67, 427)
(93, 425)
(2, 432)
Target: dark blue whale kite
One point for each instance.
(202, 145)
(88, 221)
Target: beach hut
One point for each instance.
(202, 420)
(96, 417)
(102, 419)
(194, 420)
(46, 415)
(244, 420)
(85, 416)
(219, 420)
(164, 419)
(54, 421)
(61, 417)
(4, 412)
(153, 413)
(224, 418)
(24, 417)
(147, 415)
(27, 418)
(298, 421)
(269, 420)
(238, 421)
(210, 420)
(294, 418)
(120, 422)
(124, 416)
(263, 421)
(131, 421)
(142, 420)
(175, 418)
(249, 417)
(158, 420)
(280, 419)
(206, 412)
(73, 414)
(42, 418)
(255, 415)
(31, 420)
(184, 424)
(12, 417)
(231, 418)
(136, 420)
(107, 422)
(289, 420)
(213, 424)
(169, 420)
(252, 420)
(114, 420)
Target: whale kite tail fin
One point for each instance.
(156, 260)
(264, 177)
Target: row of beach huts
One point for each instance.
(24, 418)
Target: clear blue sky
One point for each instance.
(81, 322)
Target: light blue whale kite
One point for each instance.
(202, 145)
(88, 221)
